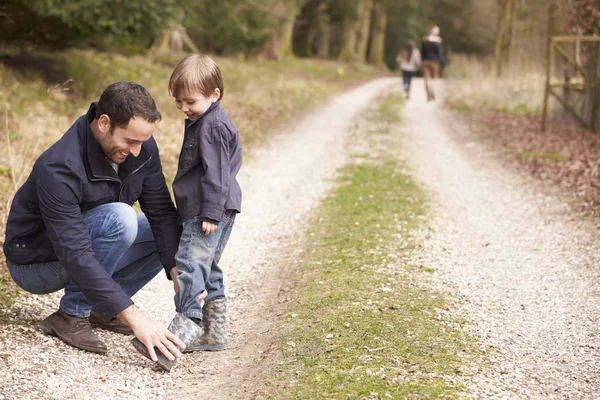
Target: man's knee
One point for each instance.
(118, 219)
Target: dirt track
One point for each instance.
(523, 267)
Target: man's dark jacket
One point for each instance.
(73, 175)
(211, 156)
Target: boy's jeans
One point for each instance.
(123, 243)
(198, 264)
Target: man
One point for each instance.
(71, 224)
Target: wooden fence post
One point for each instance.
(549, 61)
(596, 110)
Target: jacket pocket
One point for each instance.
(189, 154)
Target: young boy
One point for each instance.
(208, 198)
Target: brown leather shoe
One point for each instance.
(114, 325)
(76, 331)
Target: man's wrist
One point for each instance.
(127, 314)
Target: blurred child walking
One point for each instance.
(409, 61)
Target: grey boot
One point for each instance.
(214, 322)
(184, 328)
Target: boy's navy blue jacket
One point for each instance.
(73, 175)
(211, 156)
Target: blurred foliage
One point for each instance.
(583, 17)
(229, 26)
(93, 22)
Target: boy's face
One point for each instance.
(194, 105)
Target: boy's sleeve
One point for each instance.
(214, 183)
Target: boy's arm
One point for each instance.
(214, 183)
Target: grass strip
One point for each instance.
(366, 324)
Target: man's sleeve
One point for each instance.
(156, 203)
(59, 193)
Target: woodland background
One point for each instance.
(514, 32)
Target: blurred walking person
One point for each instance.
(409, 61)
(432, 54)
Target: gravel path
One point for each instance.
(525, 267)
(282, 183)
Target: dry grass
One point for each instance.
(473, 86)
(41, 95)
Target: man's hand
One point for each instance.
(208, 227)
(174, 273)
(151, 334)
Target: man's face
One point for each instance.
(122, 142)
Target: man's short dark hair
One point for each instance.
(122, 101)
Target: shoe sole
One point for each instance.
(163, 361)
(52, 331)
(207, 348)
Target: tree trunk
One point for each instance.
(287, 34)
(503, 31)
(280, 44)
(348, 39)
(378, 34)
(323, 31)
(173, 39)
(364, 26)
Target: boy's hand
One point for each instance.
(208, 227)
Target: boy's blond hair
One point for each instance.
(196, 73)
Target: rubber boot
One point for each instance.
(184, 328)
(214, 322)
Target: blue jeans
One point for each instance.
(197, 261)
(407, 78)
(123, 243)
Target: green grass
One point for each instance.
(365, 320)
(543, 155)
(389, 109)
(9, 291)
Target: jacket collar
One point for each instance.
(212, 107)
(98, 166)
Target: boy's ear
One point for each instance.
(216, 94)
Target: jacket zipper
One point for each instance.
(130, 175)
(121, 183)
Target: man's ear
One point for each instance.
(104, 124)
